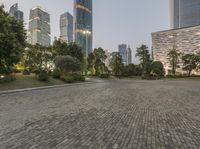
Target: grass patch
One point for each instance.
(28, 81)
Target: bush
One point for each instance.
(43, 76)
(26, 72)
(78, 77)
(67, 79)
(104, 75)
(6, 78)
(56, 73)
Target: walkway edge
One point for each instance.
(41, 88)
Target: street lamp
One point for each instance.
(86, 33)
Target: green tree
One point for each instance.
(38, 58)
(67, 63)
(116, 64)
(158, 68)
(72, 49)
(190, 62)
(144, 58)
(99, 61)
(129, 70)
(12, 41)
(90, 63)
(174, 59)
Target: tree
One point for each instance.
(12, 41)
(158, 68)
(38, 58)
(72, 49)
(174, 59)
(90, 63)
(67, 63)
(144, 58)
(116, 64)
(129, 70)
(190, 62)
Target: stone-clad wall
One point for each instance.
(186, 40)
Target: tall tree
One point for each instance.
(174, 59)
(144, 58)
(99, 61)
(12, 41)
(116, 64)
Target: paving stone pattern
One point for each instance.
(123, 114)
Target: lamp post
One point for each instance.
(86, 33)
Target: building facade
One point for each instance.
(129, 55)
(184, 13)
(122, 51)
(66, 27)
(39, 27)
(83, 24)
(186, 40)
(15, 12)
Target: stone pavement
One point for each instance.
(123, 114)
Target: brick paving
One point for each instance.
(123, 114)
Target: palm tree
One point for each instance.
(174, 59)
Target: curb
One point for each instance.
(40, 88)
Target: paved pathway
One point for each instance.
(124, 114)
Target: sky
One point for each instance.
(114, 21)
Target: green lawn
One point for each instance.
(30, 81)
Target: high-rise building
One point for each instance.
(66, 27)
(129, 55)
(122, 51)
(184, 13)
(39, 27)
(83, 26)
(15, 12)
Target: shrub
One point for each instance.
(104, 75)
(67, 79)
(43, 76)
(56, 73)
(78, 77)
(26, 72)
(6, 78)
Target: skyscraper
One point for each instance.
(39, 27)
(184, 13)
(83, 26)
(15, 12)
(122, 51)
(66, 27)
(129, 55)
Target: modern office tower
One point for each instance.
(15, 12)
(129, 55)
(184, 13)
(122, 51)
(66, 27)
(39, 27)
(83, 26)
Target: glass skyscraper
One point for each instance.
(184, 13)
(15, 12)
(66, 27)
(39, 27)
(83, 26)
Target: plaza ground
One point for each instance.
(113, 114)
